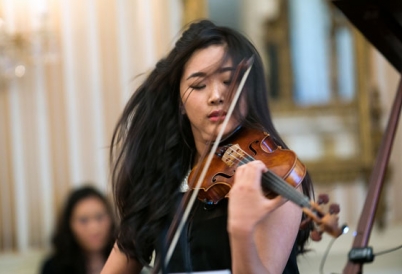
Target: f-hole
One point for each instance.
(251, 146)
(221, 174)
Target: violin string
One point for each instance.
(277, 183)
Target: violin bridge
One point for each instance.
(233, 155)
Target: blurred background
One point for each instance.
(67, 68)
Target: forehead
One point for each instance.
(205, 59)
(88, 206)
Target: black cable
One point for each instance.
(324, 258)
(345, 229)
(388, 250)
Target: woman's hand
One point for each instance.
(262, 231)
(247, 203)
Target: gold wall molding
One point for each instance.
(194, 10)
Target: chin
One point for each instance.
(95, 247)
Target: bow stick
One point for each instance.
(245, 64)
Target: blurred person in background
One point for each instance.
(84, 235)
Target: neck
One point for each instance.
(95, 261)
(94, 254)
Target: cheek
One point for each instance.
(194, 113)
(105, 225)
(191, 105)
(195, 101)
(80, 231)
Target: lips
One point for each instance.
(217, 115)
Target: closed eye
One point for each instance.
(198, 87)
(227, 82)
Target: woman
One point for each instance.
(165, 127)
(84, 235)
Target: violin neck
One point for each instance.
(274, 183)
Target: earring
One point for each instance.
(182, 110)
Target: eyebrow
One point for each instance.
(203, 74)
(197, 74)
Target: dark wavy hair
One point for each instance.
(152, 145)
(67, 252)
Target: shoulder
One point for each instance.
(49, 265)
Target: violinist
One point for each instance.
(166, 126)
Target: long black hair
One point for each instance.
(68, 254)
(152, 145)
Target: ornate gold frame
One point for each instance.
(365, 111)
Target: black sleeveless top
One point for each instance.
(204, 243)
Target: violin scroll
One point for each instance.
(323, 222)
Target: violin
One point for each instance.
(285, 174)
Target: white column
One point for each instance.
(45, 167)
(145, 20)
(96, 94)
(175, 20)
(125, 34)
(5, 178)
(70, 89)
(309, 24)
(18, 168)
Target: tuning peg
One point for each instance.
(316, 235)
(305, 223)
(323, 199)
(334, 209)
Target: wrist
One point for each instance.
(240, 229)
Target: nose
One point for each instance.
(93, 226)
(216, 95)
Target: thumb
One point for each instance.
(272, 204)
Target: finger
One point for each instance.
(251, 171)
(255, 165)
(259, 165)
